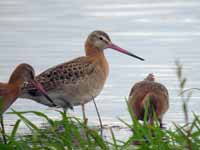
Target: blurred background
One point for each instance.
(46, 33)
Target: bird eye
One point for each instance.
(100, 38)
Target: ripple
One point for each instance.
(126, 13)
(156, 33)
(144, 5)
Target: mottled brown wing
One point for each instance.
(66, 73)
(138, 91)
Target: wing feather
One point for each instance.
(63, 74)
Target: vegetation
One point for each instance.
(76, 135)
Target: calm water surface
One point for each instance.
(46, 33)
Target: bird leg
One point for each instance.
(84, 116)
(99, 117)
(3, 129)
(161, 123)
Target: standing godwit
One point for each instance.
(9, 92)
(78, 81)
(151, 93)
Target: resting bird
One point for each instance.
(152, 94)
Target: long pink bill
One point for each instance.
(40, 88)
(119, 49)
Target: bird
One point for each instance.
(151, 94)
(80, 80)
(9, 92)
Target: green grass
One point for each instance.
(76, 135)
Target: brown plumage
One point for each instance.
(9, 92)
(22, 75)
(78, 81)
(152, 93)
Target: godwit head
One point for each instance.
(9, 92)
(150, 77)
(99, 41)
(25, 74)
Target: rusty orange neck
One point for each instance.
(98, 57)
(90, 50)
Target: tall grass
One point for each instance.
(75, 134)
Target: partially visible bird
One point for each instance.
(23, 74)
(152, 94)
(9, 92)
(80, 80)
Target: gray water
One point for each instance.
(46, 33)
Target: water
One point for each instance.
(46, 33)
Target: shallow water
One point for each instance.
(46, 33)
